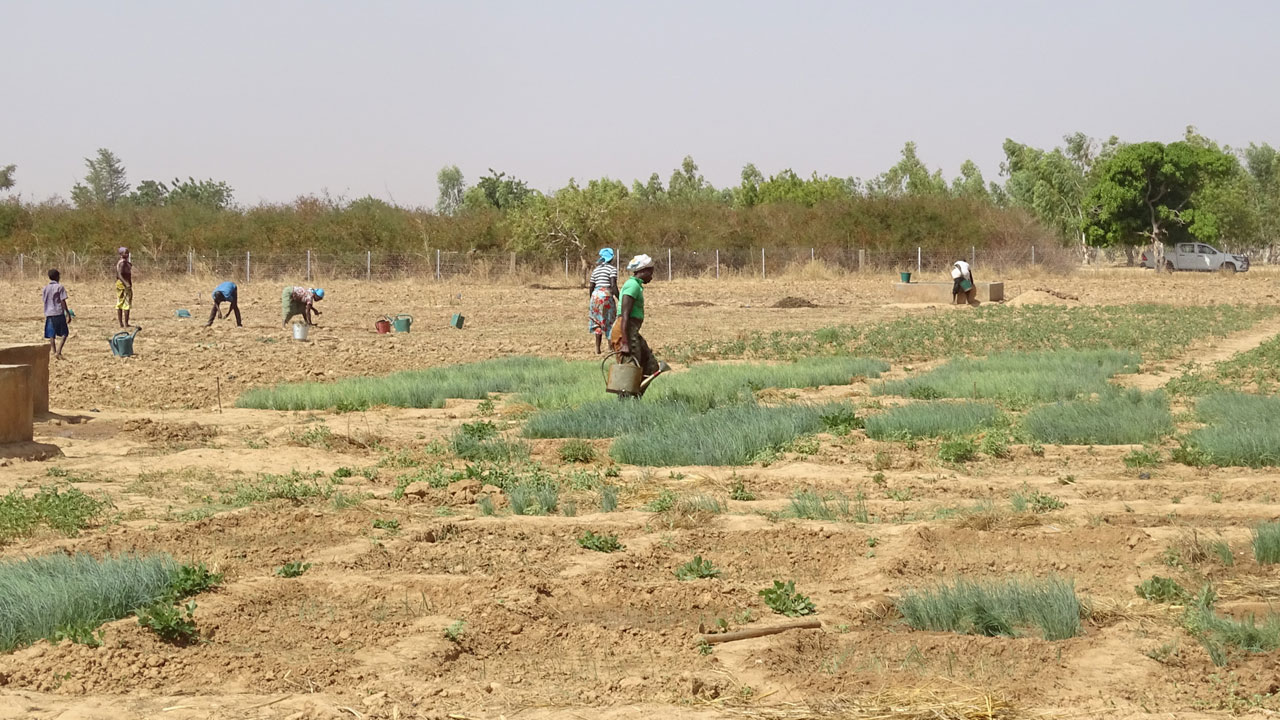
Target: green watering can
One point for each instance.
(401, 323)
(122, 343)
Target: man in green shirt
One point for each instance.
(631, 316)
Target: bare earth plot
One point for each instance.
(428, 597)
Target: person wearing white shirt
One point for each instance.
(962, 285)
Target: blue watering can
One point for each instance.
(122, 342)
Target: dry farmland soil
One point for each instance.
(404, 562)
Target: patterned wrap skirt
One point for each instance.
(603, 311)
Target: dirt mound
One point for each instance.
(170, 432)
(793, 302)
(694, 303)
(1041, 296)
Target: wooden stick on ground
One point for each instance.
(749, 633)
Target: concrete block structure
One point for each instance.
(37, 356)
(940, 292)
(15, 404)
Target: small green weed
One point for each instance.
(173, 625)
(957, 450)
(192, 579)
(1025, 500)
(391, 525)
(292, 569)
(455, 630)
(738, 491)
(577, 451)
(783, 599)
(665, 501)
(697, 568)
(1161, 590)
(608, 498)
(600, 543)
(1144, 458)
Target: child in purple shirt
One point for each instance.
(55, 313)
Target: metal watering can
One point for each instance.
(382, 325)
(122, 342)
(622, 378)
(401, 323)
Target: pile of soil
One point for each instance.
(170, 432)
(794, 302)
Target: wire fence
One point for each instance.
(441, 265)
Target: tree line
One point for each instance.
(1085, 193)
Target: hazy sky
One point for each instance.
(372, 98)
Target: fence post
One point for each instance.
(862, 258)
(437, 263)
(810, 254)
(918, 257)
(717, 264)
(21, 265)
(191, 262)
(566, 264)
(973, 254)
(668, 264)
(762, 270)
(246, 267)
(368, 265)
(1033, 254)
(308, 267)
(513, 264)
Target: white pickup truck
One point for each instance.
(1196, 256)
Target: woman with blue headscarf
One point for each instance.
(603, 306)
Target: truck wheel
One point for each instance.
(1227, 269)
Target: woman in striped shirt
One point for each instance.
(603, 307)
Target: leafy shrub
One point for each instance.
(783, 599)
(697, 568)
(957, 450)
(995, 607)
(455, 630)
(391, 525)
(292, 569)
(191, 580)
(738, 491)
(1161, 590)
(66, 512)
(665, 501)
(599, 543)
(173, 625)
(995, 443)
(841, 421)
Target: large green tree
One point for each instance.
(1052, 185)
(452, 189)
(105, 184)
(497, 190)
(1146, 191)
(909, 176)
(6, 176)
(575, 219)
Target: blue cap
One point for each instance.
(319, 293)
(606, 254)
